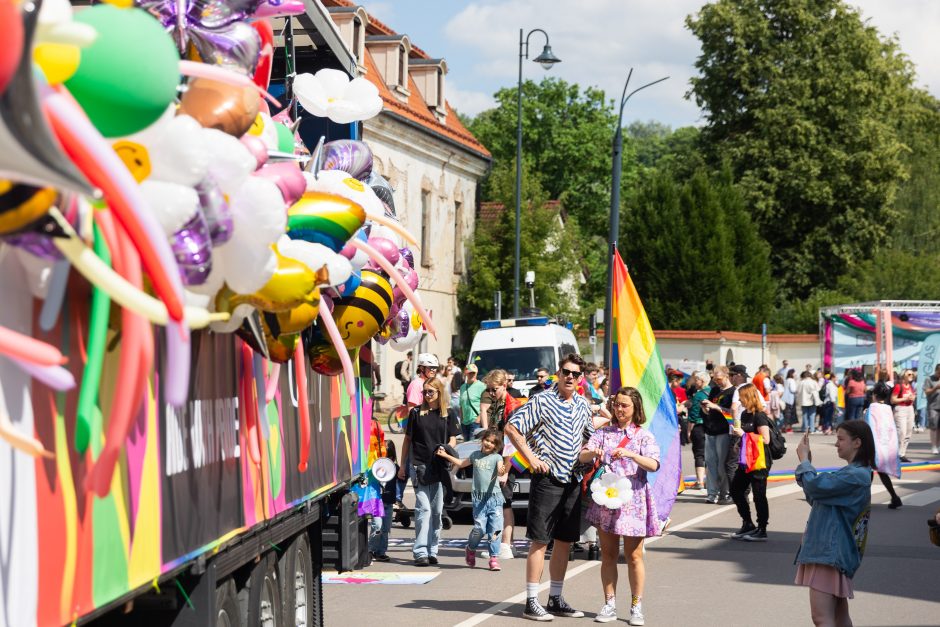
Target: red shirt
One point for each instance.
(855, 389)
(681, 396)
(902, 389)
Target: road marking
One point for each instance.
(924, 497)
(502, 605)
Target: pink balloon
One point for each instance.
(288, 177)
(256, 147)
(386, 247)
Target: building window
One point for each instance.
(426, 228)
(357, 39)
(440, 88)
(458, 237)
(402, 68)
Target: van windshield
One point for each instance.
(523, 361)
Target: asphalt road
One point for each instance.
(696, 574)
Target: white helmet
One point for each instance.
(428, 360)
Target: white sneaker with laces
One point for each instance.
(636, 616)
(934, 450)
(607, 614)
(506, 552)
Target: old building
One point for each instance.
(433, 163)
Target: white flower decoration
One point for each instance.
(612, 491)
(330, 94)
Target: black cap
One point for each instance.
(738, 369)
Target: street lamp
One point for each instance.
(614, 231)
(547, 59)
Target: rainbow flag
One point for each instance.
(519, 462)
(635, 362)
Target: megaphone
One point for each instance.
(383, 469)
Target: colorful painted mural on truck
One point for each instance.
(184, 485)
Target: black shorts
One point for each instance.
(554, 510)
(507, 490)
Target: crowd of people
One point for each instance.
(567, 429)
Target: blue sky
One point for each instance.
(599, 40)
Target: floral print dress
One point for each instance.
(637, 517)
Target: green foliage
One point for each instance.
(694, 256)
(918, 228)
(659, 147)
(802, 97)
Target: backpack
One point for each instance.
(824, 393)
(778, 444)
(398, 375)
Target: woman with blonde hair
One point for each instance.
(430, 426)
(753, 420)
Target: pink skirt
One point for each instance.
(825, 578)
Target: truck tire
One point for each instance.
(260, 599)
(227, 612)
(298, 588)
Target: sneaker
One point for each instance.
(697, 486)
(535, 611)
(494, 564)
(432, 560)
(726, 500)
(506, 552)
(471, 558)
(559, 607)
(381, 557)
(636, 616)
(607, 614)
(934, 450)
(421, 561)
(905, 459)
(711, 499)
(758, 536)
(484, 554)
(895, 503)
(745, 530)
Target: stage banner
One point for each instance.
(926, 362)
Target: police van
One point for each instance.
(521, 346)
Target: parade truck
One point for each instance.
(219, 503)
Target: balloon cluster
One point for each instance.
(138, 148)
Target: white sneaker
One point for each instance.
(607, 614)
(934, 450)
(636, 616)
(485, 554)
(506, 552)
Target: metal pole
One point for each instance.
(613, 232)
(518, 252)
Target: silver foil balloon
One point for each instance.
(192, 247)
(218, 29)
(407, 255)
(349, 155)
(28, 152)
(217, 213)
(384, 191)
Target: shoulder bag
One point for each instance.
(597, 470)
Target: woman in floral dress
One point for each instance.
(629, 451)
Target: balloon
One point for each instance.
(407, 256)
(315, 257)
(360, 315)
(382, 189)
(171, 204)
(262, 75)
(348, 155)
(55, 295)
(324, 359)
(303, 408)
(336, 339)
(216, 28)
(25, 348)
(292, 284)
(220, 106)
(264, 128)
(192, 247)
(55, 377)
(23, 443)
(220, 74)
(30, 154)
(216, 211)
(324, 219)
(411, 279)
(288, 177)
(11, 34)
(280, 347)
(257, 147)
(97, 339)
(386, 248)
(278, 8)
(231, 162)
(330, 94)
(285, 137)
(36, 244)
(342, 184)
(173, 149)
(22, 205)
(128, 76)
(356, 257)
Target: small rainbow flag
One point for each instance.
(727, 414)
(635, 361)
(519, 462)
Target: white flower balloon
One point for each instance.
(330, 94)
(612, 491)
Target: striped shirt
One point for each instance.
(556, 430)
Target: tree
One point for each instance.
(803, 98)
(694, 255)
(918, 227)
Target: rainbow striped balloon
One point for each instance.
(635, 362)
(325, 219)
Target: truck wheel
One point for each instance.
(226, 604)
(260, 599)
(298, 586)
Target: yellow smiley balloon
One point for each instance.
(292, 285)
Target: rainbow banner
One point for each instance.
(519, 462)
(635, 362)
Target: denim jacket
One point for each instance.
(838, 523)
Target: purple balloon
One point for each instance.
(408, 256)
(35, 244)
(217, 28)
(217, 213)
(192, 247)
(386, 248)
(401, 324)
(349, 155)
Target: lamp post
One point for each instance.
(614, 230)
(547, 59)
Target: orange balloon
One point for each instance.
(221, 106)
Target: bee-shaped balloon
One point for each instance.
(361, 315)
(21, 205)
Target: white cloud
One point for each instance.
(467, 102)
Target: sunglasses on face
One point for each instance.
(570, 373)
(540, 376)
(621, 405)
(430, 392)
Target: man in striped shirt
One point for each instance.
(549, 431)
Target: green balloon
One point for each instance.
(128, 76)
(285, 139)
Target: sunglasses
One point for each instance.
(570, 373)
(540, 376)
(430, 392)
(621, 405)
